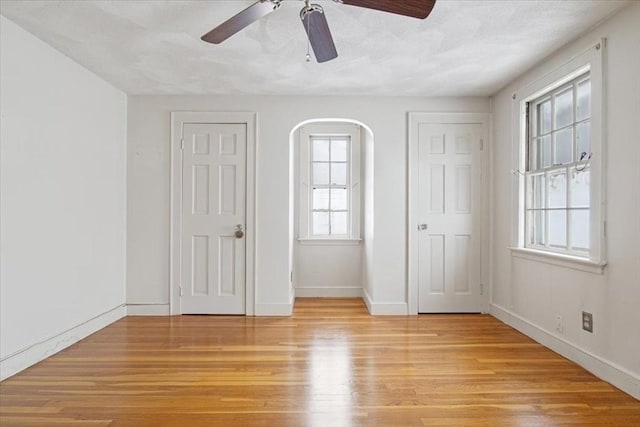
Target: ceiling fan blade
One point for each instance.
(238, 22)
(317, 28)
(414, 8)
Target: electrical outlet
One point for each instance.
(559, 327)
(587, 321)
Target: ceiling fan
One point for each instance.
(315, 21)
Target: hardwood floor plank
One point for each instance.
(331, 363)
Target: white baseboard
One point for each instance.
(317, 292)
(367, 299)
(384, 308)
(618, 376)
(39, 351)
(148, 310)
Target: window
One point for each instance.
(330, 185)
(329, 182)
(558, 165)
(557, 177)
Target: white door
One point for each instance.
(213, 211)
(449, 218)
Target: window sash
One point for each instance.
(534, 135)
(569, 247)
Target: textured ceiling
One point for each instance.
(468, 47)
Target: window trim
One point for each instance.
(353, 187)
(559, 259)
(590, 60)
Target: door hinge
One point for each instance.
(604, 228)
(481, 288)
(181, 292)
(481, 144)
(182, 144)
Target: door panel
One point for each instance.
(213, 205)
(449, 186)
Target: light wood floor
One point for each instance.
(330, 364)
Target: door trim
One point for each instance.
(178, 120)
(414, 118)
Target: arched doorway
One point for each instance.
(331, 208)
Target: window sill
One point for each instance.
(561, 260)
(329, 242)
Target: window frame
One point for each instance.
(327, 130)
(590, 60)
(331, 185)
(579, 164)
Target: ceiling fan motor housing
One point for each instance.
(311, 8)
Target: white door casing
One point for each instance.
(445, 229)
(212, 199)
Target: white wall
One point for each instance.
(328, 270)
(367, 223)
(62, 195)
(529, 294)
(148, 194)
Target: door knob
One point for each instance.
(239, 231)
(422, 227)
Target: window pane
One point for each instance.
(580, 192)
(538, 191)
(580, 229)
(539, 219)
(563, 146)
(583, 134)
(544, 152)
(564, 108)
(338, 199)
(558, 190)
(339, 150)
(339, 173)
(321, 173)
(529, 230)
(320, 150)
(584, 100)
(320, 198)
(536, 232)
(321, 223)
(558, 229)
(544, 117)
(338, 223)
